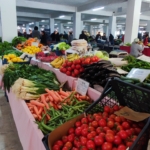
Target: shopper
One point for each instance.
(145, 42)
(36, 33)
(70, 37)
(83, 36)
(123, 38)
(43, 38)
(111, 39)
(55, 36)
(136, 48)
(104, 37)
(98, 37)
(65, 36)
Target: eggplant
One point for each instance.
(91, 72)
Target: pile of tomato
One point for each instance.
(100, 131)
(74, 68)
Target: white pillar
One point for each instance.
(8, 13)
(61, 28)
(105, 30)
(0, 29)
(82, 25)
(148, 27)
(112, 25)
(52, 21)
(132, 20)
(77, 25)
(27, 28)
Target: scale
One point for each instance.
(118, 54)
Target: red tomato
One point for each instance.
(107, 146)
(78, 144)
(95, 124)
(69, 68)
(134, 138)
(83, 148)
(84, 126)
(69, 63)
(83, 140)
(141, 124)
(84, 132)
(102, 123)
(98, 140)
(97, 118)
(64, 139)
(68, 145)
(90, 118)
(81, 69)
(84, 120)
(94, 133)
(123, 119)
(68, 73)
(117, 140)
(78, 66)
(129, 144)
(73, 66)
(74, 148)
(71, 130)
(117, 119)
(90, 145)
(102, 134)
(78, 131)
(60, 143)
(107, 109)
(110, 137)
(73, 75)
(71, 137)
(132, 130)
(76, 72)
(112, 116)
(129, 132)
(123, 134)
(125, 125)
(115, 107)
(78, 61)
(64, 70)
(56, 147)
(87, 61)
(90, 129)
(90, 136)
(105, 129)
(137, 130)
(110, 124)
(78, 124)
(64, 65)
(65, 148)
(119, 128)
(99, 130)
(121, 147)
(105, 114)
(110, 131)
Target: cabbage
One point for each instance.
(99, 54)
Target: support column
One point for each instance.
(112, 25)
(52, 25)
(132, 20)
(77, 25)
(8, 12)
(37, 24)
(27, 28)
(0, 29)
(61, 28)
(105, 30)
(148, 27)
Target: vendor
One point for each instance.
(136, 48)
(145, 41)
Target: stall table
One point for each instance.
(146, 51)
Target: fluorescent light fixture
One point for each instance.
(96, 9)
(43, 21)
(61, 16)
(141, 27)
(140, 13)
(67, 27)
(23, 25)
(43, 26)
(93, 19)
(56, 24)
(69, 22)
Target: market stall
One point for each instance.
(146, 51)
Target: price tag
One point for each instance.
(35, 44)
(144, 58)
(82, 86)
(140, 74)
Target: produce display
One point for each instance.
(46, 57)
(102, 54)
(12, 58)
(75, 68)
(13, 51)
(99, 73)
(135, 63)
(31, 50)
(4, 47)
(18, 40)
(33, 73)
(58, 62)
(72, 57)
(60, 46)
(100, 131)
(127, 44)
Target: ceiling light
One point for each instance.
(56, 24)
(43, 26)
(61, 16)
(96, 9)
(43, 21)
(140, 13)
(141, 27)
(93, 19)
(69, 22)
(67, 27)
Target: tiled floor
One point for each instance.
(9, 139)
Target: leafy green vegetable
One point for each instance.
(13, 51)
(18, 40)
(4, 47)
(62, 46)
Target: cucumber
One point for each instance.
(133, 79)
(129, 81)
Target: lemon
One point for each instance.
(14, 60)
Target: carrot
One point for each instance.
(51, 104)
(50, 98)
(35, 116)
(40, 110)
(63, 93)
(36, 111)
(47, 99)
(55, 107)
(43, 100)
(32, 111)
(37, 103)
(63, 97)
(30, 105)
(53, 95)
(48, 117)
(30, 108)
(58, 95)
(82, 97)
(59, 106)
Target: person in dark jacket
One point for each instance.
(65, 36)
(36, 33)
(55, 36)
(104, 37)
(98, 37)
(70, 37)
(43, 38)
(111, 39)
(83, 36)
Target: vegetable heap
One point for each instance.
(18, 40)
(61, 46)
(4, 47)
(101, 131)
(13, 58)
(33, 73)
(13, 51)
(99, 73)
(135, 63)
(31, 50)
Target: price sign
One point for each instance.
(35, 44)
(140, 74)
(82, 86)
